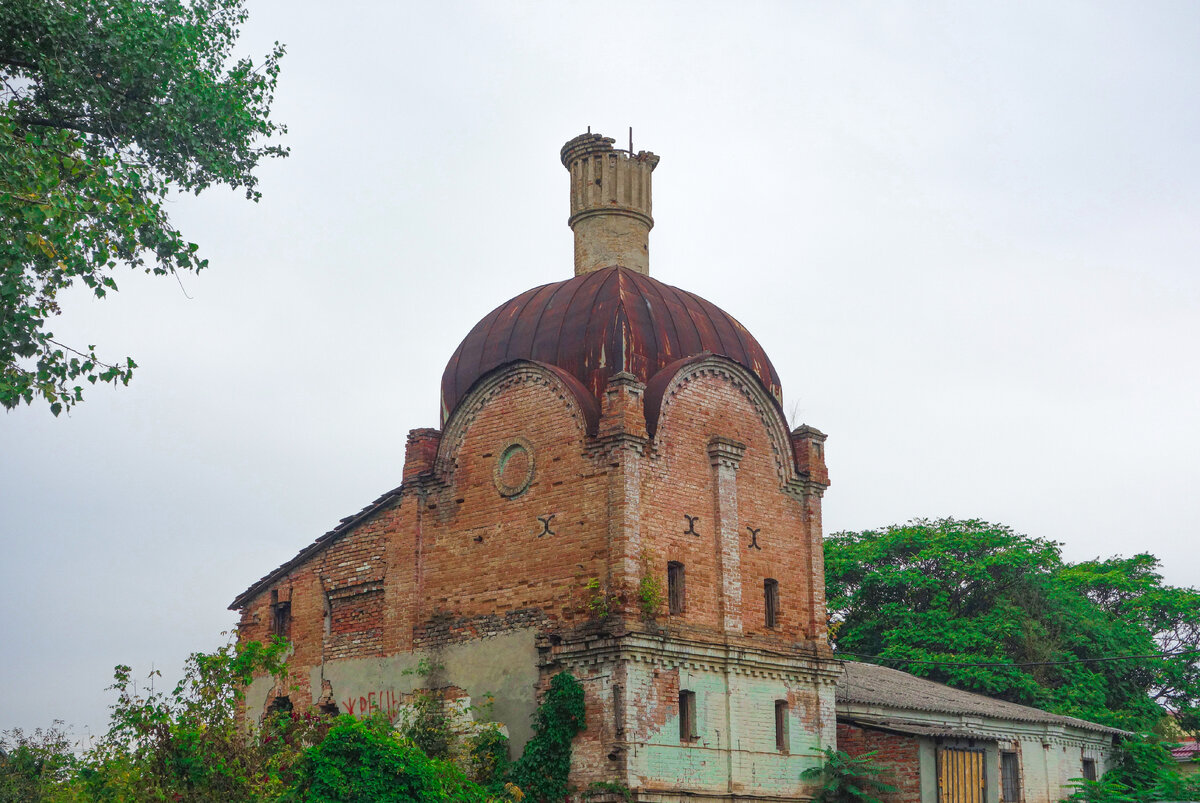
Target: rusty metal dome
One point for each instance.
(598, 324)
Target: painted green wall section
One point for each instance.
(736, 703)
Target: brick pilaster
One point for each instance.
(726, 455)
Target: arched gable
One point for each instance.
(577, 402)
(666, 385)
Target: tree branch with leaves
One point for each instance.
(107, 107)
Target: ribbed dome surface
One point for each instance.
(598, 324)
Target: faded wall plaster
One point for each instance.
(504, 666)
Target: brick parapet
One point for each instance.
(808, 449)
(420, 452)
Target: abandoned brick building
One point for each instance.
(614, 492)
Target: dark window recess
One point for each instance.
(280, 705)
(1010, 777)
(771, 602)
(618, 712)
(281, 616)
(1089, 769)
(781, 726)
(675, 587)
(687, 715)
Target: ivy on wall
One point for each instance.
(541, 771)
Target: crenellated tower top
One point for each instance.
(610, 203)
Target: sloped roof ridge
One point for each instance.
(872, 684)
(323, 541)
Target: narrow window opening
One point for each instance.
(281, 616)
(771, 602)
(781, 726)
(675, 592)
(1089, 769)
(687, 715)
(1010, 777)
(618, 712)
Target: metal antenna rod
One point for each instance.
(631, 140)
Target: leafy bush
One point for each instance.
(190, 744)
(487, 754)
(846, 779)
(36, 767)
(428, 725)
(368, 761)
(1142, 770)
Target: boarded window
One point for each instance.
(781, 726)
(1089, 769)
(281, 616)
(771, 602)
(687, 715)
(675, 587)
(1010, 777)
(961, 777)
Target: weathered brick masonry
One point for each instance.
(609, 444)
(897, 754)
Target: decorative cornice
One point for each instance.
(726, 452)
(699, 656)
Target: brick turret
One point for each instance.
(610, 203)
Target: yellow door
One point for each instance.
(960, 776)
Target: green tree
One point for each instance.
(1132, 590)
(191, 743)
(972, 592)
(37, 767)
(106, 106)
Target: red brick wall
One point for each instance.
(452, 558)
(898, 753)
(681, 481)
(485, 555)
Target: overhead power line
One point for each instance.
(1178, 654)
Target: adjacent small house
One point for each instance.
(946, 745)
(1187, 755)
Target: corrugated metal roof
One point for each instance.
(1188, 751)
(878, 685)
(598, 324)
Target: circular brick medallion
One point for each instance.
(514, 467)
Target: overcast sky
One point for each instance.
(967, 234)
